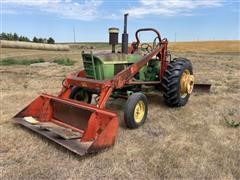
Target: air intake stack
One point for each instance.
(113, 37)
(125, 36)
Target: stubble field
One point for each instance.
(191, 142)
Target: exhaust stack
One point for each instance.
(125, 36)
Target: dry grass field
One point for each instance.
(191, 142)
(38, 54)
(206, 46)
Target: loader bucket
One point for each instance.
(82, 128)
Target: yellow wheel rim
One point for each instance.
(139, 111)
(186, 83)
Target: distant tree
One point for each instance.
(28, 40)
(51, 41)
(15, 37)
(40, 40)
(44, 40)
(6, 36)
(35, 39)
(10, 36)
(3, 36)
(21, 38)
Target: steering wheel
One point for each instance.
(147, 47)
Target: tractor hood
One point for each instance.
(117, 58)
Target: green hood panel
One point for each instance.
(105, 66)
(117, 58)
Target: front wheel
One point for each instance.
(178, 82)
(135, 111)
(81, 94)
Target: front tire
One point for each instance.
(178, 82)
(81, 94)
(135, 111)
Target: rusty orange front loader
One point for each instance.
(79, 127)
(72, 119)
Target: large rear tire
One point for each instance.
(178, 82)
(135, 111)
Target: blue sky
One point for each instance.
(187, 19)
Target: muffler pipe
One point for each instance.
(125, 36)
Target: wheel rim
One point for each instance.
(81, 96)
(186, 83)
(139, 111)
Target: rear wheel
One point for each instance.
(135, 111)
(81, 94)
(178, 82)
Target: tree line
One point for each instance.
(16, 37)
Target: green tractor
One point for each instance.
(71, 120)
(173, 77)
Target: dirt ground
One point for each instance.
(191, 142)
